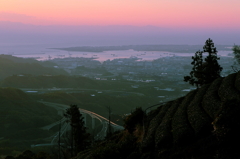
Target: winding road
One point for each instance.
(60, 108)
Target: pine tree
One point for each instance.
(212, 69)
(80, 139)
(207, 71)
(196, 76)
(236, 52)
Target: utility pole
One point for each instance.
(109, 120)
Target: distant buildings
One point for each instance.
(171, 68)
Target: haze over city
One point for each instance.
(119, 79)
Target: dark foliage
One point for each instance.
(119, 146)
(236, 52)
(196, 75)
(80, 139)
(134, 119)
(207, 71)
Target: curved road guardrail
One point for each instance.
(102, 119)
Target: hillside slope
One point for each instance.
(21, 119)
(10, 65)
(193, 117)
(202, 124)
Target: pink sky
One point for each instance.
(164, 13)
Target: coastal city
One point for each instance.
(171, 68)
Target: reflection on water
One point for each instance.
(41, 52)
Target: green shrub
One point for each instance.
(134, 119)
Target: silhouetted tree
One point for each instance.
(80, 139)
(212, 69)
(207, 71)
(196, 75)
(132, 120)
(236, 52)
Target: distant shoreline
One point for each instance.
(168, 48)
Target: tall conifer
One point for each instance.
(79, 137)
(207, 71)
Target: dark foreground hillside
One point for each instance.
(203, 124)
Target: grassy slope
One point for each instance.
(20, 120)
(10, 65)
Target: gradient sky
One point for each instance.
(164, 13)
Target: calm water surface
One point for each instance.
(42, 52)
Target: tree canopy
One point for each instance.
(79, 137)
(204, 72)
(236, 52)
